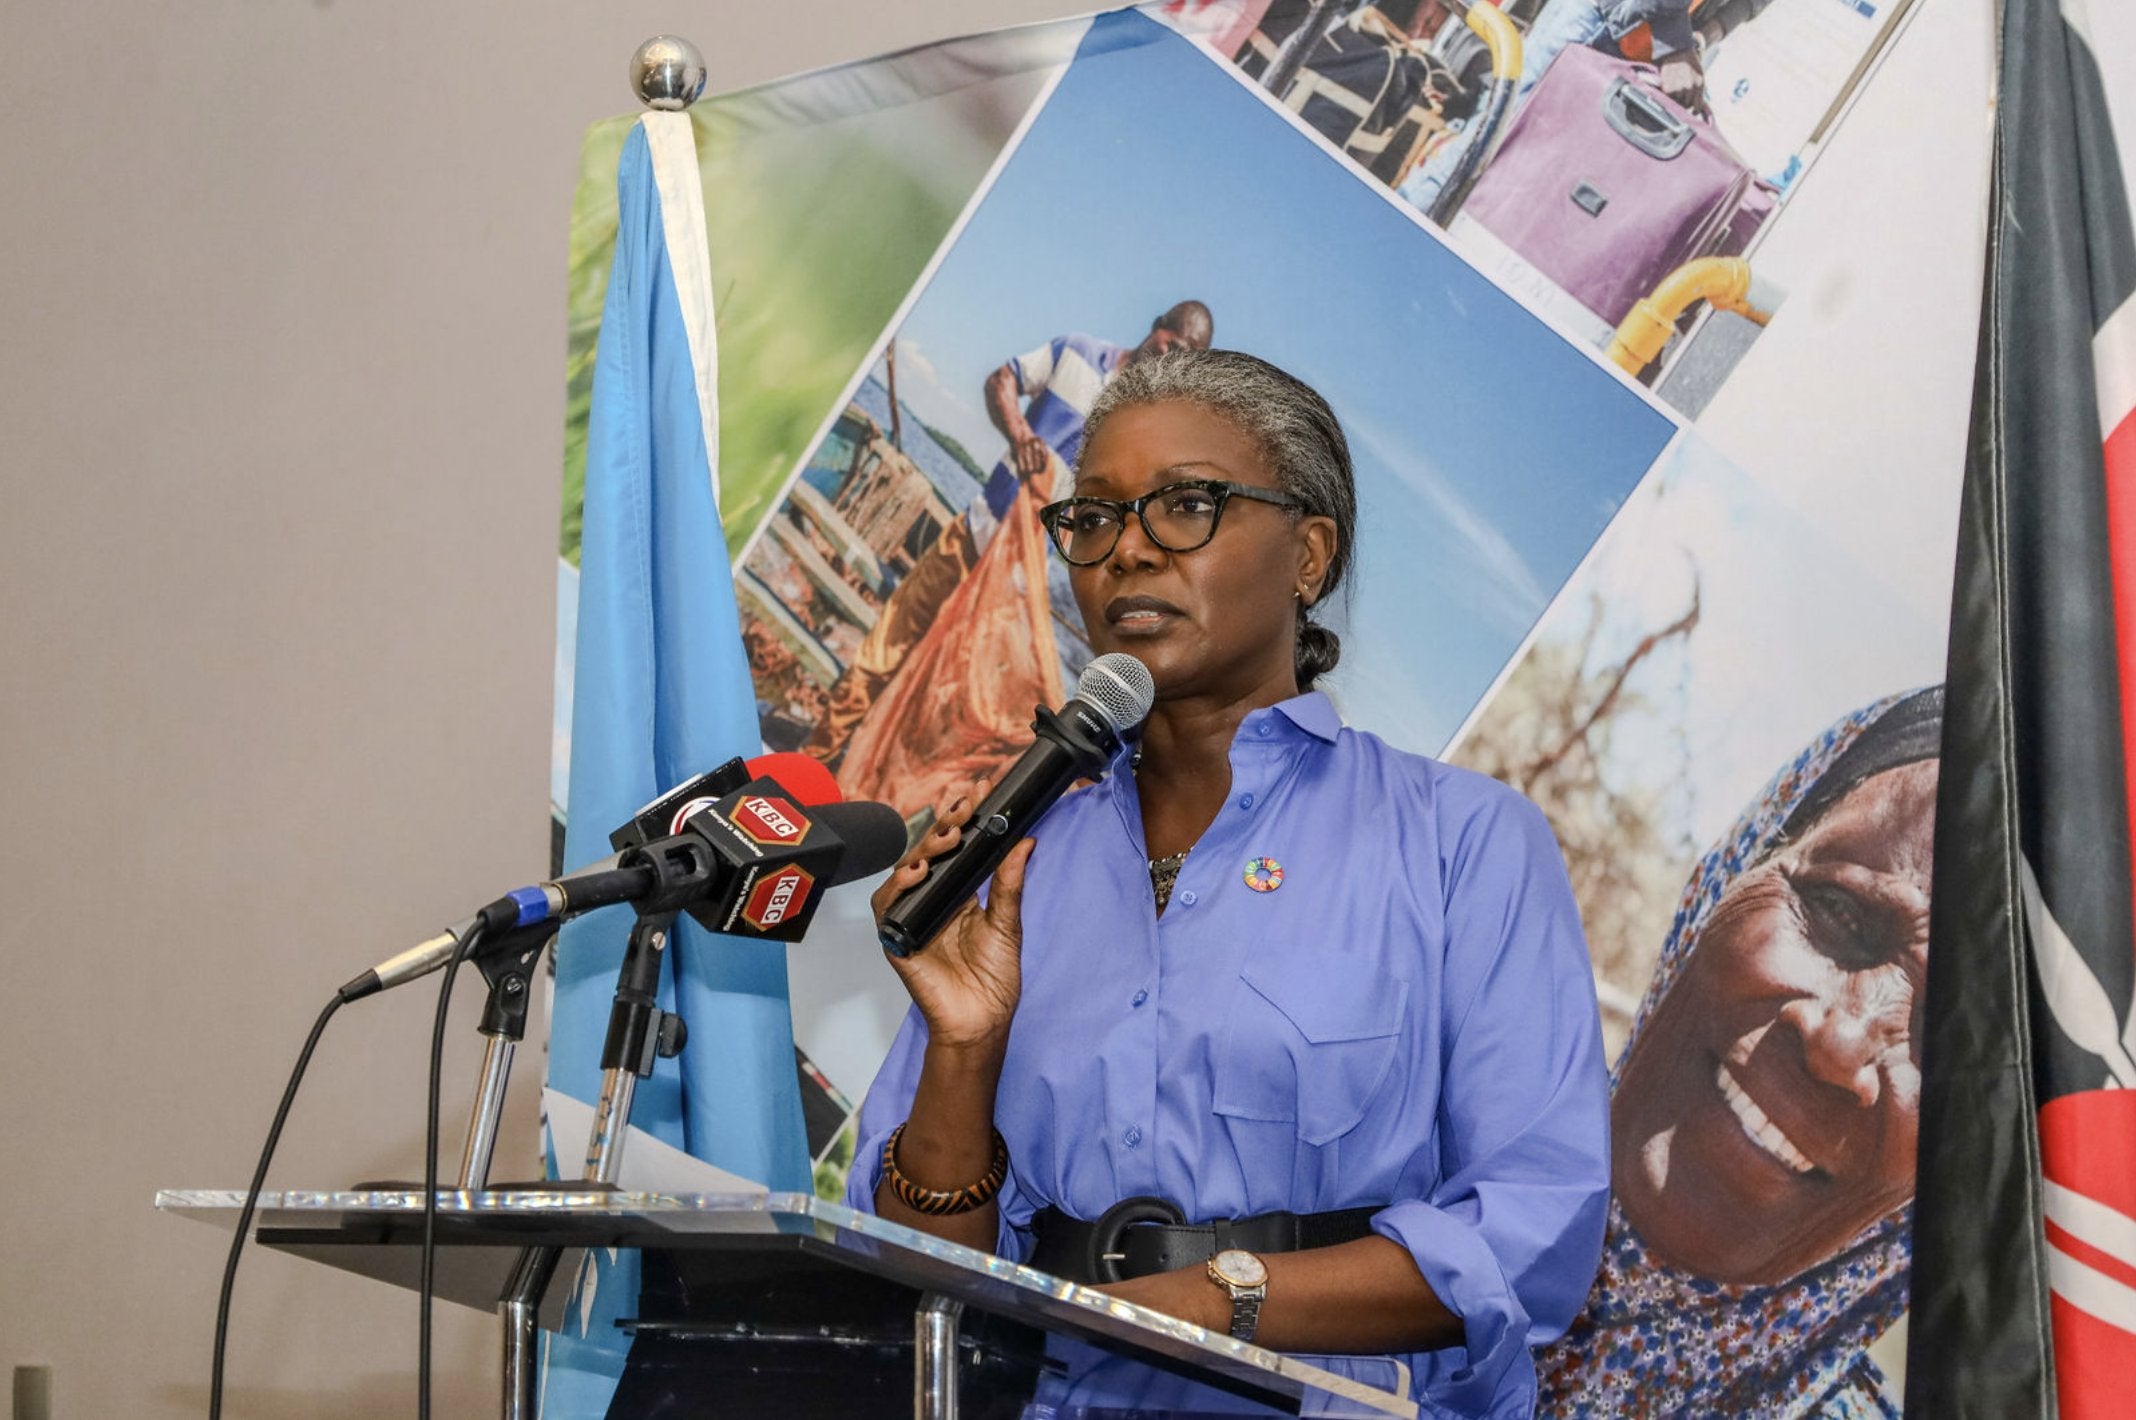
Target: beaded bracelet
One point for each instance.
(942, 1203)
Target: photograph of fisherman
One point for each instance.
(1764, 1113)
(1037, 402)
(1270, 984)
(905, 609)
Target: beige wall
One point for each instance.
(281, 349)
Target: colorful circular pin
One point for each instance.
(1264, 874)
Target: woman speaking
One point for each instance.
(1273, 1028)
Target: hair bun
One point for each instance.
(1318, 651)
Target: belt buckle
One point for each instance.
(1105, 1234)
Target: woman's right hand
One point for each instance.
(968, 979)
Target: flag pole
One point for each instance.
(667, 73)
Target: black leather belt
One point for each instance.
(1138, 1236)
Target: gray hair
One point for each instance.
(1299, 437)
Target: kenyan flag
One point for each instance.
(2024, 1276)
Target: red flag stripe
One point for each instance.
(2093, 1362)
(2114, 377)
(2120, 473)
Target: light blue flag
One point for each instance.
(662, 692)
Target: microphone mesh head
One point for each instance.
(1117, 686)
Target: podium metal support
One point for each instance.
(934, 1357)
(520, 1310)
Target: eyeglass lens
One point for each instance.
(1177, 520)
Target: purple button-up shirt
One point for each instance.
(1407, 1019)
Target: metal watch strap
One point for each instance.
(1246, 1311)
(1245, 1300)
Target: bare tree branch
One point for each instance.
(1648, 644)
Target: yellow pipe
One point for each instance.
(1499, 34)
(1722, 281)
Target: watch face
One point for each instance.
(1241, 1269)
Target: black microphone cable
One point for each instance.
(426, 1281)
(218, 1365)
(252, 1199)
(503, 910)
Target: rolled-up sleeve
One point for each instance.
(1511, 1236)
(887, 1103)
(1034, 368)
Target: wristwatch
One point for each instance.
(1245, 1277)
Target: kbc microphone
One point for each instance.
(799, 778)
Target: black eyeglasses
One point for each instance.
(1178, 517)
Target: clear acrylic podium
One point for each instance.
(749, 1300)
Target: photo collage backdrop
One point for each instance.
(1704, 677)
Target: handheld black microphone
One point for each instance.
(1112, 696)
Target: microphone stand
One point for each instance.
(509, 970)
(639, 1033)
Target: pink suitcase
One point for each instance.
(1605, 185)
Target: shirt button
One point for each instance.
(1267, 729)
(1245, 801)
(1186, 899)
(1132, 1137)
(1140, 997)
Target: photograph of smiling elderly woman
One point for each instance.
(1764, 1112)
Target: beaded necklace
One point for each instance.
(1163, 873)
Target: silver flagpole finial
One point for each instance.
(667, 72)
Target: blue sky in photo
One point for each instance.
(1490, 451)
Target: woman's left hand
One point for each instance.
(1361, 1298)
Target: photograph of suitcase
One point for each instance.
(1605, 185)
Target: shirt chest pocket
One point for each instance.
(1309, 1039)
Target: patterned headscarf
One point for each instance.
(1654, 1340)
